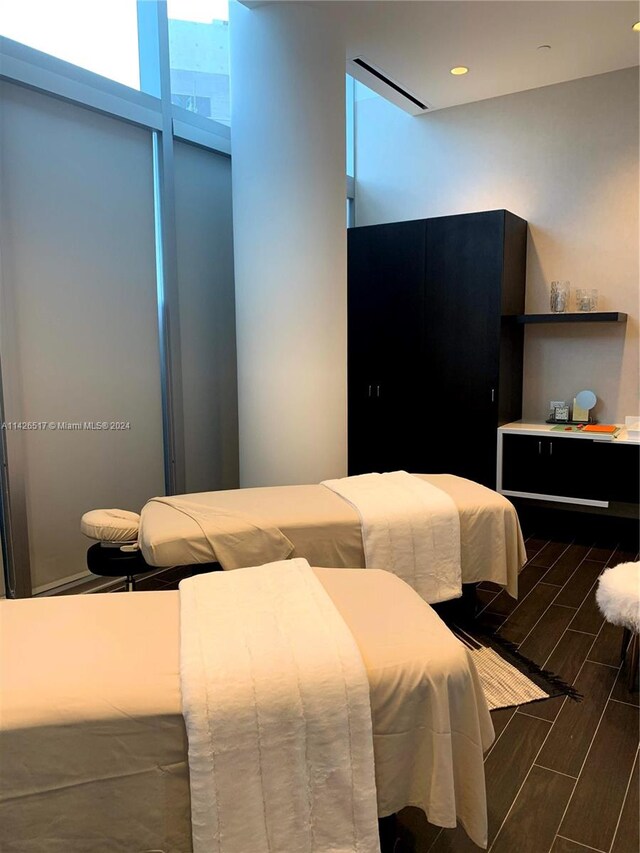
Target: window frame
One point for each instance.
(26, 66)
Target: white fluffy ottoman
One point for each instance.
(618, 597)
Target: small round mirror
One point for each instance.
(586, 399)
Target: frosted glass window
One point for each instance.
(100, 37)
(80, 279)
(204, 232)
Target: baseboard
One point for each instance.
(79, 577)
(85, 583)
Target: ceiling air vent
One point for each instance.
(377, 80)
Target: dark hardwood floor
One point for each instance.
(562, 777)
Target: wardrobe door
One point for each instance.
(385, 310)
(462, 333)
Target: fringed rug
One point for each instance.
(508, 678)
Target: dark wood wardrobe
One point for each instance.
(435, 353)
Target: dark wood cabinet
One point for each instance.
(619, 467)
(524, 460)
(384, 332)
(569, 469)
(552, 466)
(435, 353)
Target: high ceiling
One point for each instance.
(417, 43)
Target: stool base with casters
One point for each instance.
(113, 562)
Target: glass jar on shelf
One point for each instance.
(560, 293)
(586, 299)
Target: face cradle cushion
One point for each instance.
(111, 525)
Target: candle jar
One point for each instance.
(560, 292)
(586, 300)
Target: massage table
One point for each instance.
(92, 739)
(326, 529)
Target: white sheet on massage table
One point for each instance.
(325, 529)
(92, 738)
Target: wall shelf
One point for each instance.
(586, 317)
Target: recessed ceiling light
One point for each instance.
(459, 70)
(636, 27)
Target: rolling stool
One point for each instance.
(116, 552)
(618, 597)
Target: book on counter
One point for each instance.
(601, 432)
(603, 429)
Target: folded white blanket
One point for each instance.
(276, 702)
(410, 528)
(236, 539)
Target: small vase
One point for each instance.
(586, 300)
(560, 292)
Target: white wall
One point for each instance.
(288, 128)
(563, 157)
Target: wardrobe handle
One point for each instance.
(550, 448)
(493, 395)
(539, 448)
(370, 390)
(377, 390)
